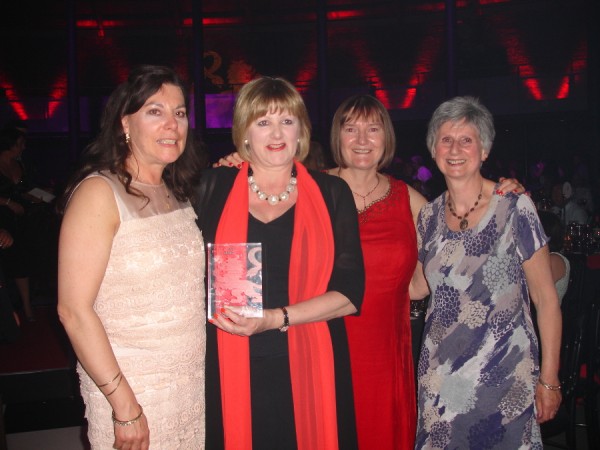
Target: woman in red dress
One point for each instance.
(363, 143)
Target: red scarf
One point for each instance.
(310, 348)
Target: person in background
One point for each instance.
(564, 205)
(131, 270)
(15, 214)
(481, 257)
(291, 385)
(559, 264)
(580, 182)
(9, 320)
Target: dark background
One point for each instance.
(534, 63)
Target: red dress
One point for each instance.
(380, 338)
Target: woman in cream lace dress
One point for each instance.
(131, 268)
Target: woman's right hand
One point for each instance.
(132, 437)
(231, 160)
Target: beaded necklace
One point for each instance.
(464, 223)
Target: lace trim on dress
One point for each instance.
(379, 206)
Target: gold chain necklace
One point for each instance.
(156, 188)
(464, 223)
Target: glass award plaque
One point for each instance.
(234, 278)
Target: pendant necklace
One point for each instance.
(464, 223)
(155, 188)
(273, 199)
(168, 199)
(364, 197)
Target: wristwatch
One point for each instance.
(286, 321)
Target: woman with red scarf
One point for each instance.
(282, 380)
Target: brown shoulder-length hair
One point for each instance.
(109, 151)
(261, 96)
(362, 106)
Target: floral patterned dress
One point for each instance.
(479, 360)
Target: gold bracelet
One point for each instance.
(116, 387)
(106, 384)
(550, 387)
(126, 423)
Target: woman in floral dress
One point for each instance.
(482, 256)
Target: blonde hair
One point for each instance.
(261, 96)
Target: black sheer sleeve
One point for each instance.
(348, 276)
(210, 197)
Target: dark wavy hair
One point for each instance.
(109, 151)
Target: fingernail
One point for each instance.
(498, 191)
(214, 317)
(515, 191)
(218, 164)
(222, 310)
(239, 166)
(230, 164)
(501, 192)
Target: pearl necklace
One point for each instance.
(273, 199)
(464, 223)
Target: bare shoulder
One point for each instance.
(93, 200)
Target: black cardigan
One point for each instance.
(348, 278)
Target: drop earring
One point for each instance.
(127, 138)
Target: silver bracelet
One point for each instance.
(126, 423)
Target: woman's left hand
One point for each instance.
(232, 320)
(510, 185)
(547, 403)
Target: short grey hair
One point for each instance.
(457, 109)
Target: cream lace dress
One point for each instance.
(151, 303)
